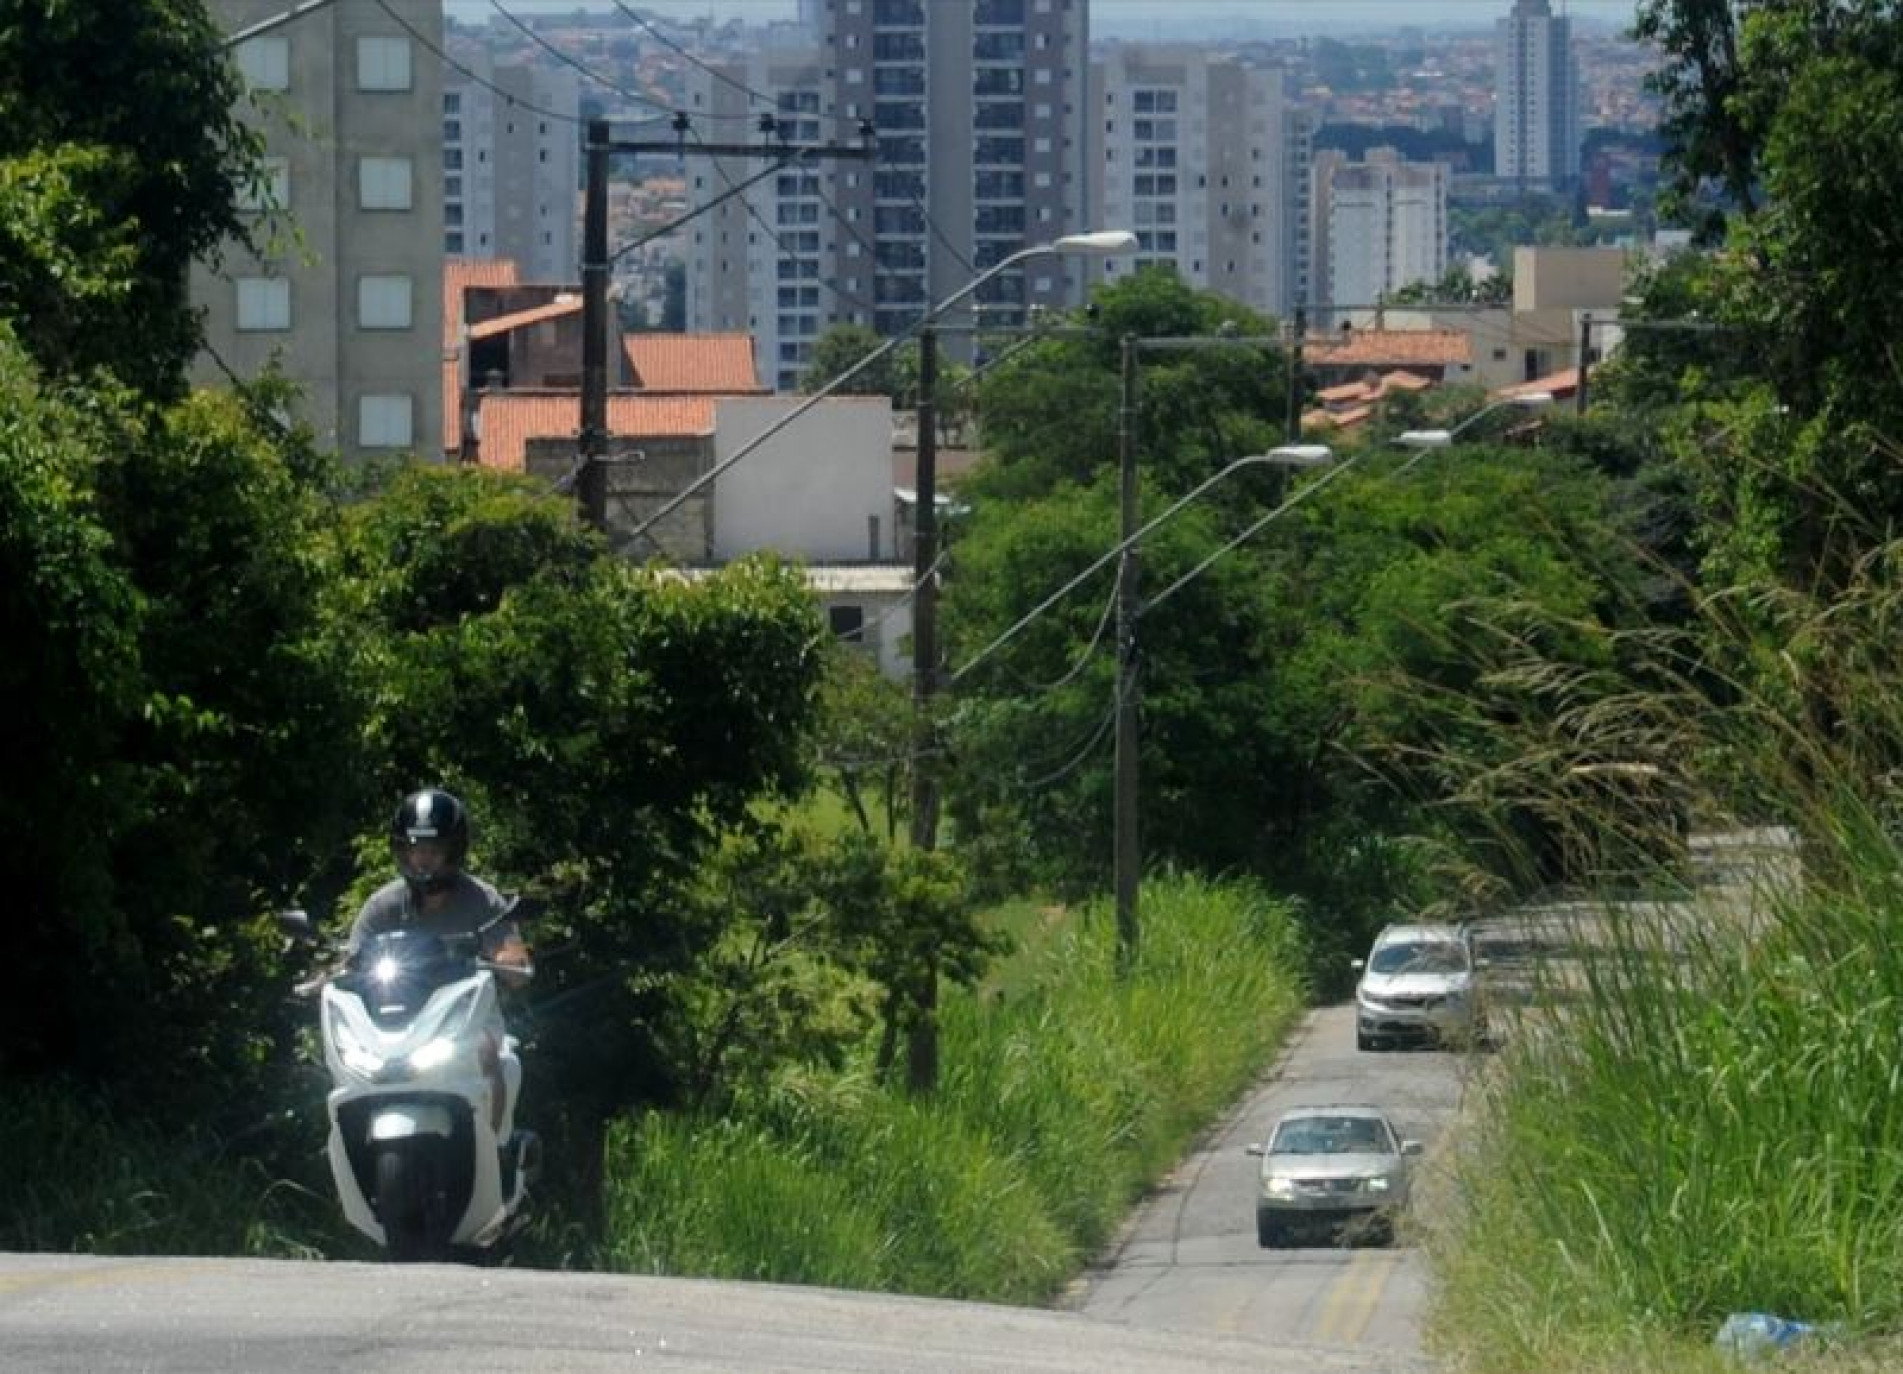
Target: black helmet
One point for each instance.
(434, 818)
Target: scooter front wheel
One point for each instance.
(410, 1206)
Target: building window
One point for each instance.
(383, 302)
(272, 190)
(265, 63)
(264, 303)
(848, 623)
(386, 421)
(384, 183)
(383, 62)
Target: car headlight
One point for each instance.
(1378, 1184)
(1278, 1187)
(358, 1057)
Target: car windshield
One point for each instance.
(1427, 956)
(1331, 1135)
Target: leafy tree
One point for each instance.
(866, 738)
(606, 723)
(1457, 284)
(843, 347)
(121, 160)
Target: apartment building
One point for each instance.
(1536, 112)
(512, 166)
(345, 290)
(978, 114)
(1379, 225)
(1205, 160)
(763, 261)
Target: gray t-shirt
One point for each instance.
(470, 903)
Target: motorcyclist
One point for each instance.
(429, 840)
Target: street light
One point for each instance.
(1442, 438)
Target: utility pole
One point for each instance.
(1293, 432)
(1127, 859)
(922, 1046)
(1585, 362)
(592, 480)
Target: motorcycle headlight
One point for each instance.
(358, 1057)
(434, 1055)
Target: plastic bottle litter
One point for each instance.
(1754, 1336)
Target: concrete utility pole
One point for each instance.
(922, 1045)
(1585, 362)
(1126, 789)
(1292, 432)
(592, 479)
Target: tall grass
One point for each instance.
(79, 1177)
(1062, 1099)
(1714, 1122)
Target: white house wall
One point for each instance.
(813, 490)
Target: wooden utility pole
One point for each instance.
(1585, 362)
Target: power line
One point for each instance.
(486, 84)
(585, 70)
(838, 291)
(718, 74)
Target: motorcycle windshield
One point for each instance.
(395, 973)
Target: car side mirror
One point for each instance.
(1255, 1149)
(1357, 964)
(1412, 1147)
(296, 923)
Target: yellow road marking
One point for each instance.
(93, 1275)
(1353, 1297)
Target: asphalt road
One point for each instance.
(77, 1315)
(1189, 1261)
(1187, 1290)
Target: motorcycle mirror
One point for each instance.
(296, 922)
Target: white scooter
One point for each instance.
(424, 1162)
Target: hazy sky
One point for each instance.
(1147, 19)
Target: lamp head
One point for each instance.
(1424, 438)
(1301, 455)
(1098, 243)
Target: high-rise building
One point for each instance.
(1204, 159)
(345, 286)
(761, 261)
(1536, 135)
(979, 112)
(512, 166)
(1380, 225)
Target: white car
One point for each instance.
(1343, 1169)
(1417, 984)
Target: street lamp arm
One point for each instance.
(1300, 456)
(1249, 533)
(1441, 438)
(1103, 242)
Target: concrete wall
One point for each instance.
(812, 491)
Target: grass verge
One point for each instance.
(1066, 1091)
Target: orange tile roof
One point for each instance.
(1392, 347)
(709, 364)
(459, 275)
(1335, 419)
(1562, 383)
(521, 319)
(508, 420)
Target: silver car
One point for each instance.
(1417, 984)
(1340, 1169)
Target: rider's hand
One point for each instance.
(516, 965)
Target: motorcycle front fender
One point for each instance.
(409, 1120)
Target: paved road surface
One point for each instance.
(1190, 1262)
(77, 1315)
